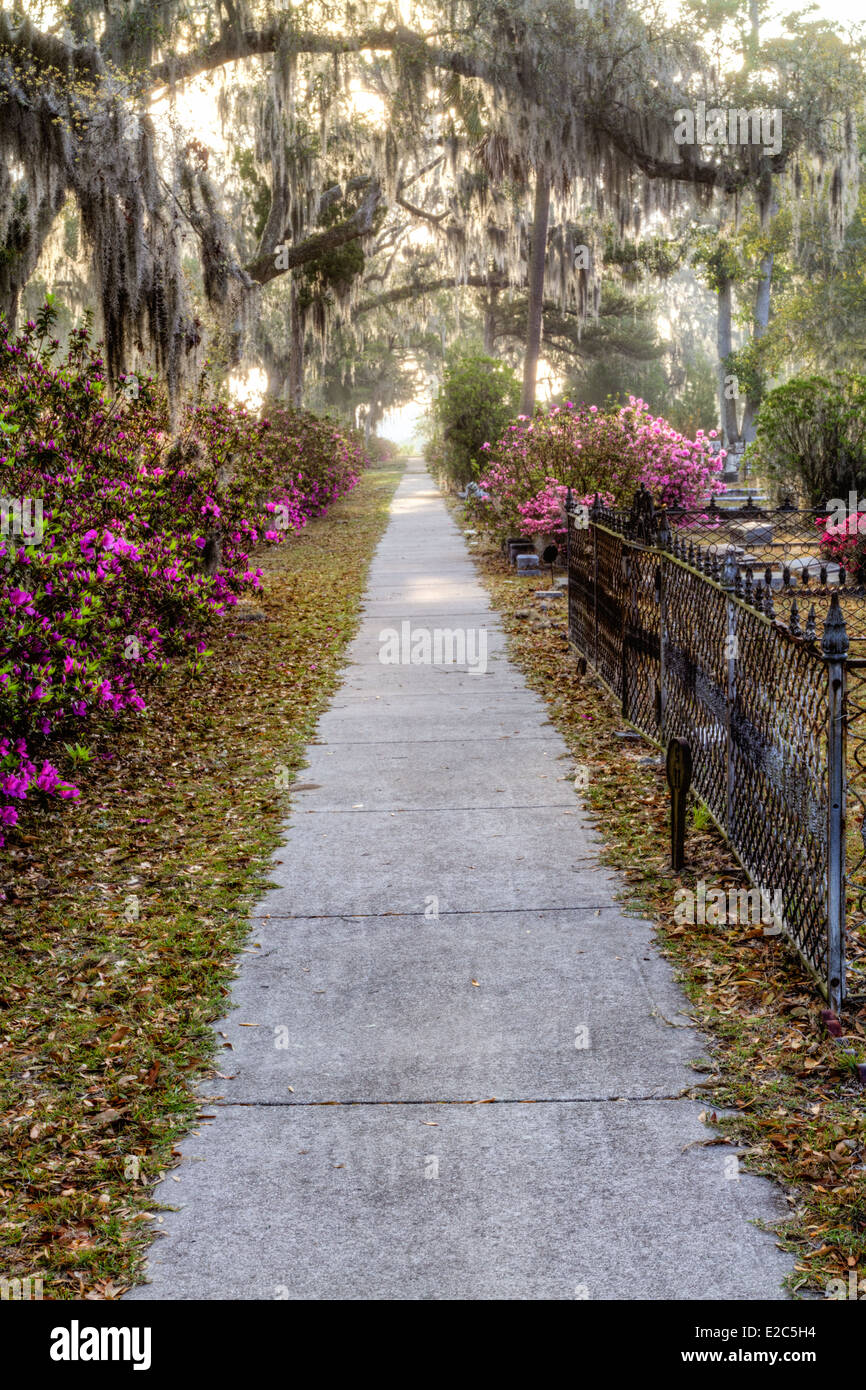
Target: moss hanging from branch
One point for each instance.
(73, 129)
(499, 90)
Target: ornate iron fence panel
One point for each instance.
(609, 608)
(778, 818)
(581, 583)
(689, 642)
(696, 678)
(641, 676)
(856, 673)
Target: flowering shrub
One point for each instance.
(544, 514)
(380, 450)
(590, 450)
(144, 535)
(314, 461)
(845, 542)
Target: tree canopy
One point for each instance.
(372, 155)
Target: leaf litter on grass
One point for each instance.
(125, 914)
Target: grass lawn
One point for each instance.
(125, 911)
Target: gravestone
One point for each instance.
(528, 564)
(733, 462)
(752, 533)
(519, 547)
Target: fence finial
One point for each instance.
(642, 521)
(834, 641)
(731, 570)
(810, 634)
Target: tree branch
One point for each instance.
(435, 219)
(419, 173)
(727, 178)
(251, 43)
(264, 268)
(235, 45)
(415, 289)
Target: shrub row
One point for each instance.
(125, 534)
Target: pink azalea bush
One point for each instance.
(313, 460)
(544, 514)
(589, 450)
(144, 540)
(845, 542)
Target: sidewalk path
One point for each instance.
(353, 1155)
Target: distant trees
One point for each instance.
(811, 437)
(476, 401)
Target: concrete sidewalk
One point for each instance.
(442, 935)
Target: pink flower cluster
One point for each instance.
(590, 450)
(544, 514)
(146, 535)
(845, 542)
(318, 462)
(20, 777)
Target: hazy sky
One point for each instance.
(849, 11)
(843, 11)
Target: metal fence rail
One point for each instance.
(689, 641)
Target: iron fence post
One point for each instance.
(663, 636)
(569, 503)
(729, 580)
(663, 540)
(629, 532)
(627, 613)
(834, 646)
(595, 595)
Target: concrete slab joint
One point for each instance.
(449, 1070)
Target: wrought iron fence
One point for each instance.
(670, 612)
(855, 672)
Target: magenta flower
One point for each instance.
(118, 517)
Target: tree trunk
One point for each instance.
(727, 407)
(759, 328)
(278, 381)
(490, 321)
(296, 352)
(276, 369)
(536, 290)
